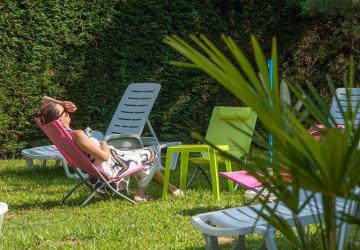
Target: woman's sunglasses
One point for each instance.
(64, 112)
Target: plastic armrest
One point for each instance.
(124, 141)
(212, 230)
(98, 135)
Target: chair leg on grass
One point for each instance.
(56, 164)
(67, 171)
(255, 197)
(240, 243)
(212, 242)
(263, 246)
(116, 192)
(270, 240)
(92, 195)
(125, 197)
(29, 164)
(194, 176)
(72, 190)
(85, 180)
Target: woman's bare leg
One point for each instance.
(159, 179)
(139, 194)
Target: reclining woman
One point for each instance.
(107, 157)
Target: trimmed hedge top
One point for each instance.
(88, 52)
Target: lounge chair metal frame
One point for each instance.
(78, 161)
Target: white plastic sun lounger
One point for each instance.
(354, 94)
(131, 117)
(245, 220)
(45, 153)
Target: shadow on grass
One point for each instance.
(44, 205)
(196, 248)
(199, 182)
(38, 175)
(227, 243)
(47, 182)
(71, 202)
(199, 210)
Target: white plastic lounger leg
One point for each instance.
(29, 163)
(270, 242)
(67, 172)
(43, 154)
(270, 239)
(175, 156)
(343, 230)
(57, 162)
(174, 160)
(240, 243)
(212, 242)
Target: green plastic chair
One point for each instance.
(231, 129)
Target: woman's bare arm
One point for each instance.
(89, 147)
(69, 106)
(46, 100)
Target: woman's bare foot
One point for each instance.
(140, 195)
(138, 198)
(178, 192)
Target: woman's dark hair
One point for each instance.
(49, 113)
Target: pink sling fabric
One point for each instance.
(242, 178)
(315, 130)
(64, 142)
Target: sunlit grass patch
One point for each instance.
(36, 220)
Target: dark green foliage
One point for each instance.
(329, 7)
(89, 51)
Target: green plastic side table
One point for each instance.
(184, 150)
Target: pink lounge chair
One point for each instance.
(64, 142)
(243, 179)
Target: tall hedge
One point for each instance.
(89, 51)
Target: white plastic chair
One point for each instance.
(245, 220)
(3, 210)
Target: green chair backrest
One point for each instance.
(233, 126)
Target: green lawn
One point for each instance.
(36, 220)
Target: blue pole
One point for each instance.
(270, 68)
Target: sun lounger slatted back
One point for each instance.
(134, 108)
(354, 94)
